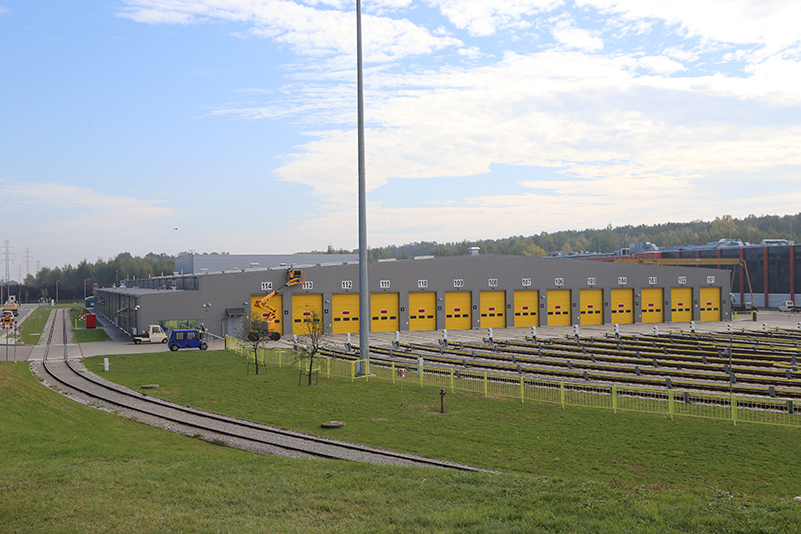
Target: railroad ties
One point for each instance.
(744, 363)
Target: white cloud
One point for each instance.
(770, 22)
(4, 11)
(484, 18)
(643, 130)
(86, 218)
(310, 32)
(566, 33)
(586, 116)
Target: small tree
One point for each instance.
(254, 332)
(313, 336)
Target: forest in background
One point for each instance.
(71, 281)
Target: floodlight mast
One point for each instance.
(364, 290)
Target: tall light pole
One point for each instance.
(364, 290)
(57, 281)
(84, 290)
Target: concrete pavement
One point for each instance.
(121, 344)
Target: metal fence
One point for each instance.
(667, 402)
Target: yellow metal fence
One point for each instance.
(668, 402)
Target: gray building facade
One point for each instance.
(430, 294)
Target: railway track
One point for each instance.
(220, 429)
(762, 365)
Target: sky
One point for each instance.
(230, 125)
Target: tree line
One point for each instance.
(70, 281)
(751, 229)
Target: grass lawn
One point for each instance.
(68, 468)
(34, 324)
(82, 334)
(532, 439)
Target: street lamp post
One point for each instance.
(57, 281)
(84, 290)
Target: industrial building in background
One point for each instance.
(425, 293)
(773, 267)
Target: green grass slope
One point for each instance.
(65, 467)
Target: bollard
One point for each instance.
(105, 365)
(442, 400)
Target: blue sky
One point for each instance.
(234, 121)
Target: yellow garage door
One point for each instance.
(304, 306)
(384, 312)
(622, 305)
(591, 302)
(493, 309)
(681, 304)
(344, 313)
(526, 307)
(457, 310)
(710, 304)
(276, 302)
(652, 311)
(423, 311)
(559, 307)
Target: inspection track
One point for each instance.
(216, 428)
(761, 363)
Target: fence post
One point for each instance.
(614, 398)
(452, 381)
(522, 392)
(562, 393)
(671, 407)
(485, 385)
(734, 410)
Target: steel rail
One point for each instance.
(237, 424)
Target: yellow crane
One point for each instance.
(269, 313)
(696, 261)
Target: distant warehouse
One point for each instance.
(427, 293)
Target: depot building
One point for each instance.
(427, 293)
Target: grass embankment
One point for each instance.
(34, 324)
(66, 467)
(536, 439)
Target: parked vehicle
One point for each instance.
(153, 334)
(186, 339)
(788, 306)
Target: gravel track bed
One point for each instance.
(215, 428)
